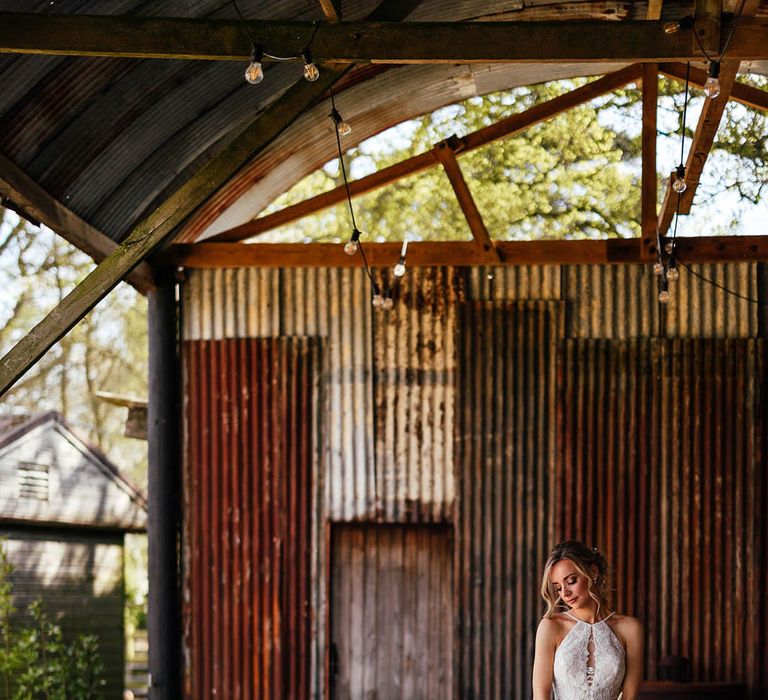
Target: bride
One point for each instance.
(583, 650)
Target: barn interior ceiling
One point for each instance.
(127, 126)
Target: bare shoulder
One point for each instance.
(553, 629)
(628, 628)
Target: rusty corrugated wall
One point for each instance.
(505, 443)
(248, 493)
(402, 434)
(662, 467)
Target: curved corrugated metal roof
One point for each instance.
(111, 138)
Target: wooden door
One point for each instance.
(391, 612)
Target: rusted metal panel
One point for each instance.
(247, 536)
(505, 454)
(414, 390)
(392, 612)
(662, 466)
(539, 282)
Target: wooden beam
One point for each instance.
(429, 254)
(416, 164)
(331, 9)
(648, 188)
(654, 9)
(745, 94)
(706, 26)
(158, 227)
(393, 42)
(24, 192)
(703, 138)
(474, 218)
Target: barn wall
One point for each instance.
(79, 578)
(401, 410)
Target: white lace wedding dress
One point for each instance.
(581, 675)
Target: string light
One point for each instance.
(342, 127)
(712, 86)
(254, 74)
(400, 270)
(353, 244)
(678, 183)
(311, 72)
(388, 302)
(376, 299)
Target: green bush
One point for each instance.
(36, 662)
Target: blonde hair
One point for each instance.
(584, 559)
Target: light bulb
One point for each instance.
(671, 27)
(387, 303)
(490, 276)
(669, 247)
(399, 270)
(658, 268)
(254, 74)
(678, 183)
(344, 128)
(712, 86)
(663, 296)
(352, 244)
(377, 300)
(673, 274)
(311, 72)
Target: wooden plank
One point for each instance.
(23, 191)
(648, 215)
(428, 254)
(654, 9)
(331, 9)
(466, 201)
(706, 26)
(505, 127)
(703, 138)
(745, 94)
(416, 42)
(158, 227)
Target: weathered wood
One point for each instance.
(648, 193)
(466, 201)
(706, 26)
(745, 94)
(158, 227)
(505, 127)
(703, 138)
(22, 190)
(417, 42)
(331, 9)
(654, 9)
(427, 254)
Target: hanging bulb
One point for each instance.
(673, 274)
(490, 276)
(400, 270)
(712, 86)
(376, 299)
(311, 72)
(664, 296)
(341, 126)
(658, 268)
(678, 184)
(669, 247)
(352, 244)
(254, 74)
(387, 303)
(672, 27)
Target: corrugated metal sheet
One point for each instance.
(505, 453)
(414, 390)
(248, 517)
(663, 467)
(392, 612)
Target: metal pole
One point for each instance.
(164, 498)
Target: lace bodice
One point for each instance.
(581, 676)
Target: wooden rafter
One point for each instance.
(416, 42)
(745, 94)
(416, 164)
(447, 157)
(648, 215)
(331, 9)
(427, 254)
(706, 26)
(654, 9)
(703, 138)
(20, 189)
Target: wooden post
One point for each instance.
(164, 497)
(648, 216)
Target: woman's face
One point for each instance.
(571, 585)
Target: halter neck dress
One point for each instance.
(574, 679)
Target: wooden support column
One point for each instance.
(648, 192)
(467, 203)
(165, 492)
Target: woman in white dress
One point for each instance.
(584, 651)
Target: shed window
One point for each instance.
(33, 481)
